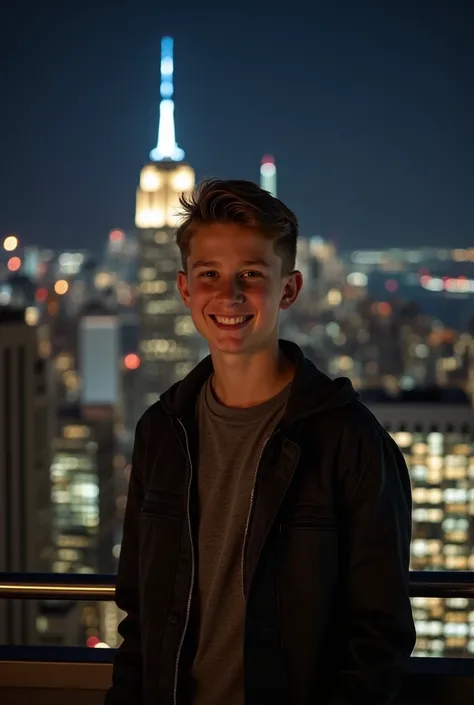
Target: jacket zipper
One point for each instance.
(252, 496)
(188, 609)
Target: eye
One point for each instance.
(252, 274)
(206, 274)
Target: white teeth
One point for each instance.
(230, 321)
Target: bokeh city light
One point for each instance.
(10, 243)
(14, 264)
(61, 287)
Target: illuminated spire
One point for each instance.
(268, 175)
(166, 147)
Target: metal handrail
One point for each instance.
(57, 586)
(65, 586)
(440, 583)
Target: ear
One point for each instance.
(183, 287)
(292, 288)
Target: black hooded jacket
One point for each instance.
(328, 617)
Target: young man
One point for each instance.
(266, 540)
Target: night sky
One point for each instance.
(368, 107)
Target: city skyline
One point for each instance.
(372, 150)
(108, 337)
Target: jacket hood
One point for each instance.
(311, 390)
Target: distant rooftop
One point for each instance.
(69, 411)
(97, 308)
(11, 315)
(419, 395)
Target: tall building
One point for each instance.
(77, 535)
(434, 429)
(85, 521)
(99, 355)
(169, 346)
(25, 492)
(100, 396)
(121, 257)
(75, 494)
(268, 175)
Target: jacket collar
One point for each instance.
(311, 390)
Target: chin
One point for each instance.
(247, 345)
(228, 347)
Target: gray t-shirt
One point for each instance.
(230, 443)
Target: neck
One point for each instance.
(242, 381)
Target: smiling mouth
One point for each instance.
(231, 322)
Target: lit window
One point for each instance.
(32, 315)
(86, 490)
(403, 438)
(148, 273)
(153, 287)
(150, 179)
(434, 495)
(184, 326)
(420, 448)
(453, 494)
(161, 237)
(334, 297)
(183, 180)
(463, 449)
(418, 472)
(75, 432)
(434, 462)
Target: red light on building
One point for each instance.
(391, 285)
(92, 642)
(116, 235)
(131, 361)
(41, 294)
(384, 308)
(14, 264)
(268, 159)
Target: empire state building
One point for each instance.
(169, 345)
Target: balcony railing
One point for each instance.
(57, 586)
(64, 586)
(49, 675)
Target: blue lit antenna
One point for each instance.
(166, 147)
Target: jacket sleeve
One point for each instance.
(127, 671)
(380, 632)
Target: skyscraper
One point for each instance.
(268, 174)
(434, 429)
(25, 491)
(169, 346)
(98, 355)
(100, 396)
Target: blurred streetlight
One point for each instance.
(61, 287)
(10, 243)
(14, 264)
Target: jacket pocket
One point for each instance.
(309, 521)
(305, 515)
(155, 504)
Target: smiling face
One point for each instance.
(234, 288)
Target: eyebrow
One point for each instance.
(248, 263)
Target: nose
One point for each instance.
(230, 290)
